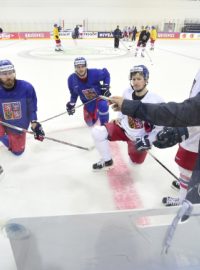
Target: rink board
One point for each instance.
(106, 241)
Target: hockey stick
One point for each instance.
(163, 165)
(57, 115)
(124, 45)
(149, 57)
(45, 137)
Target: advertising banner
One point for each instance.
(34, 35)
(25, 35)
(191, 36)
(68, 34)
(105, 34)
(90, 34)
(4, 36)
(169, 35)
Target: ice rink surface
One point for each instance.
(51, 178)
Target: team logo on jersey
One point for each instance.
(144, 37)
(12, 110)
(135, 123)
(89, 93)
(148, 127)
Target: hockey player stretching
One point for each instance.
(138, 134)
(18, 107)
(142, 41)
(88, 84)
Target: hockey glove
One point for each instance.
(105, 90)
(170, 136)
(38, 131)
(70, 107)
(142, 143)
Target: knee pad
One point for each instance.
(133, 163)
(4, 140)
(17, 153)
(99, 133)
(90, 117)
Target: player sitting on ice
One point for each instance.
(88, 84)
(138, 134)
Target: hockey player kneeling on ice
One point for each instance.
(168, 137)
(18, 107)
(187, 153)
(89, 84)
(138, 134)
(172, 114)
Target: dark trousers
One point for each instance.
(116, 42)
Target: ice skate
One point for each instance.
(170, 201)
(176, 185)
(105, 165)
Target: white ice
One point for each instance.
(55, 179)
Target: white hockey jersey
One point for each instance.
(135, 127)
(192, 143)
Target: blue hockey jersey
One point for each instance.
(18, 106)
(84, 88)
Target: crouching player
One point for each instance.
(18, 106)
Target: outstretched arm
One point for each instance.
(171, 114)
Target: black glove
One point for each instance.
(38, 131)
(57, 37)
(142, 143)
(70, 108)
(170, 136)
(105, 90)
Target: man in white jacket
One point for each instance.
(138, 134)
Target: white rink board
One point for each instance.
(106, 241)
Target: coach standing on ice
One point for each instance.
(117, 34)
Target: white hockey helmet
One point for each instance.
(80, 61)
(6, 65)
(141, 69)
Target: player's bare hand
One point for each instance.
(116, 103)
